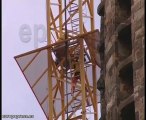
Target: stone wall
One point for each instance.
(122, 55)
(138, 40)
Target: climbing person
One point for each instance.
(76, 75)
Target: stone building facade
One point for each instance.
(121, 83)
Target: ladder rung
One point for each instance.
(55, 29)
(55, 4)
(75, 22)
(75, 25)
(75, 31)
(70, 31)
(72, 10)
(74, 3)
(88, 16)
(77, 19)
(90, 112)
(73, 7)
(76, 106)
(77, 118)
(77, 102)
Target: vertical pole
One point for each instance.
(92, 15)
(50, 85)
(60, 20)
(66, 53)
(61, 36)
(82, 73)
(80, 17)
(94, 91)
(50, 102)
(48, 8)
(94, 67)
(62, 96)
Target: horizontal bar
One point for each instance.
(90, 112)
(77, 19)
(72, 10)
(77, 102)
(55, 4)
(74, 4)
(73, 7)
(88, 16)
(57, 43)
(76, 106)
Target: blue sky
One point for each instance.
(17, 97)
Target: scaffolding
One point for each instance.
(49, 70)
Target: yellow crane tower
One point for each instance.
(51, 70)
